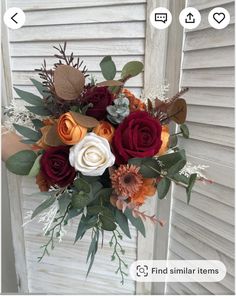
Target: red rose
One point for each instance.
(55, 166)
(100, 97)
(139, 135)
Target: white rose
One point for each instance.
(92, 155)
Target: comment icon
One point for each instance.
(160, 18)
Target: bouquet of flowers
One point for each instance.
(98, 152)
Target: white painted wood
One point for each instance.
(76, 32)
(207, 58)
(211, 96)
(60, 4)
(87, 15)
(92, 30)
(91, 62)
(203, 4)
(205, 228)
(209, 38)
(92, 47)
(23, 78)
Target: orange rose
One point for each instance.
(134, 103)
(105, 130)
(69, 131)
(165, 135)
(148, 189)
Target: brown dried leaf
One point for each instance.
(177, 111)
(52, 138)
(149, 105)
(68, 82)
(42, 183)
(84, 120)
(160, 105)
(110, 83)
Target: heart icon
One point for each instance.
(219, 17)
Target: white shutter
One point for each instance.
(93, 29)
(205, 228)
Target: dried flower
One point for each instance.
(147, 189)
(126, 180)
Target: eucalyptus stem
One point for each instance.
(116, 254)
(51, 232)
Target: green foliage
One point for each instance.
(34, 171)
(64, 200)
(131, 69)
(176, 167)
(122, 221)
(39, 110)
(41, 89)
(108, 68)
(43, 206)
(107, 223)
(29, 97)
(80, 200)
(149, 167)
(27, 132)
(92, 249)
(21, 162)
(137, 222)
(82, 185)
(184, 130)
(37, 123)
(163, 187)
(169, 160)
(191, 182)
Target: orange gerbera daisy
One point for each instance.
(147, 189)
(135, 103)
(126, 180)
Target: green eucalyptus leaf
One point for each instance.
(43, 206)
(29, 97)
(34, 171)
(27, 132)
(180, 178)
(163, 187)
(122, 221)
(108, 68)
(21, 162)
(39, 110)
(169, 160)
(136, 222)
(27, 141)
(131, 69)
(38, 124)
(82, 227)
(191, 182)
(40, 87)
(185, 131)
(63, 201)
(149, 167)
(80, 200)
(107, 223)
(176, 167)
(82, 185)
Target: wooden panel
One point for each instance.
(77, 32)
(213, 134)
(204, 15)
(207, 205)
(200, 232)
(209, 58)
(23, 78)
(212, 77)
(207, 151)
(207, 96)
(203, 4)
(91, 62)
(224, 287)
(201, 248)
(59, 4)
(211, 115)
(86, 15)
(83, 48)
(209, 38)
